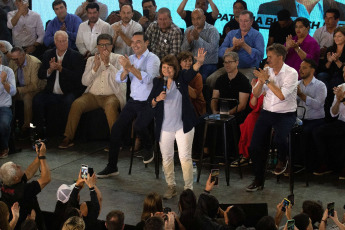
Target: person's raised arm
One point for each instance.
(180, 9)
(214, 8)
(199, 59)
(45, 171)
(15, 215)
(279, 214)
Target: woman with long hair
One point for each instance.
(175, 117)
(153, 203)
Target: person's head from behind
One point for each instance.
(187, 200)
(29, 225)
(154, 223)
(60, 9)
(307, 68)
(11, 173)
(115, 220)
(276, 54)
(284, 17)
(152, 204)
(303, 222)
(302, 26)
(313, 209)
(4, 216)
(61, 40)
(332, 18)
(238, 7)
(207, 205)
(74, 223)
(266, 223)
(71, 212)
(236, 217)
(92, 10)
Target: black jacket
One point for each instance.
(73, 66)
(188, 114)
(273, 7)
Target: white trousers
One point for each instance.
(184, 143)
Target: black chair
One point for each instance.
(224, 121)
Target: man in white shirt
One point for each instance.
(279, 82)
(123, 31)
(27, 29)
(89, 31)
(102, 89)
(81, 11)
(324, 34)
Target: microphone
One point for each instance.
(165, 84)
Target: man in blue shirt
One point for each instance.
(140, 68)
(63, 21)
(7, 91)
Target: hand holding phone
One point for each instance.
(286, 203)
(214, 176)
(330, 207)
(290, 224)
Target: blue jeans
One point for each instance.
(207, 70)
(5, 126)
(258, 149)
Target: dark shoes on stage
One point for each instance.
(107, 172)
(147, 155)
(255, 186)
(66, 143)
(280, 167)
(4, 153)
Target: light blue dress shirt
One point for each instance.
(254, 39)
(317, 11)
(172, 120)
(316, 93)
(5, 97)
(148, 64)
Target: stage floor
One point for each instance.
(127, 192)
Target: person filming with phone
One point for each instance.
(16, 188)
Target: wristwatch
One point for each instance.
(267, 81)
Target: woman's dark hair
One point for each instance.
(187, 205)
(304, 21)
(183, 56)
(170, 60)
(236, 217)
(152, 204)
(340, 29)
(207, 205)
(266, 223)
(313, 209)
(243, 3)
(301, 221)
(58, 2)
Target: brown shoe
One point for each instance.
(4, 153)
(66, 143)
(280, 167)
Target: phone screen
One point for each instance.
(291, 224)
(146, 13)
(214, 176)
(330, 207)
(84, 171)
(285, 204)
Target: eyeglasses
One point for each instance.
(228, 62)
(104, 45)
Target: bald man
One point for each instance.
(202, 35)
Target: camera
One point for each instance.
(39, 143)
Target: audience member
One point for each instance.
(328, 133)
(202, 35)
(163, 35)
(281, 210)
(279, 111)
(140, 68)
(335, 219)
(153, 203)
(5, 215)
(7, 5)
(81, 11)
(324, 35)
(102, 89)
(5, 32)
(311, 94)
(233, 24)
(281, 29)
(27, 29)
(63, 69)
(25, 68)
(63, 21)
(232, 85)
(302, 45)
(314, 210)
(154, 223)
(123, 31)
(115, 15)
(247, 42)
(195, 86)
(149, 13)
(303, 222)
(186, 15)
(115, 220)
(29, 224)
(266, 223)
(89, 31)
(169, 122)
(187, 205)
(74, 223)
(5, 52)
(15, 186)
(247, 129)
(7, 91)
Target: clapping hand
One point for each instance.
(261, 74)
(290, 43)
(125, 62)
(3, 76)
(15, 210)
(339, 93)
